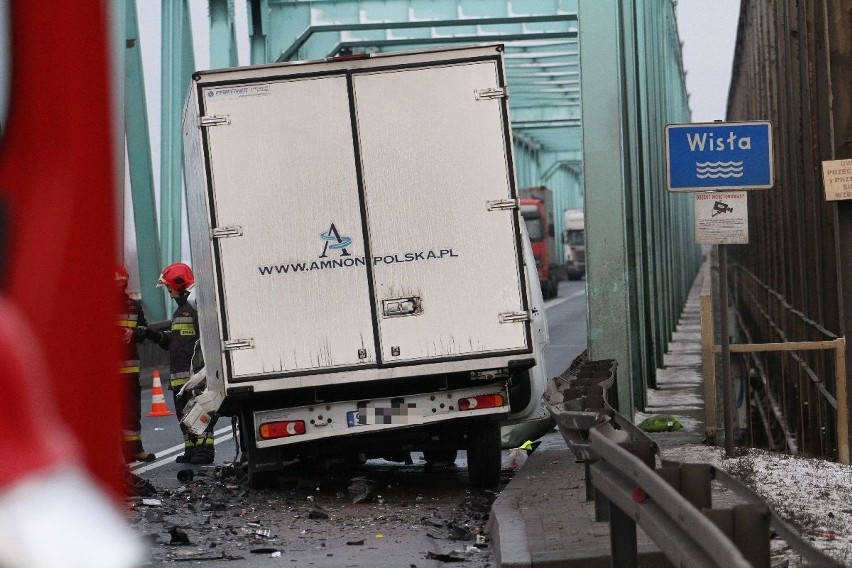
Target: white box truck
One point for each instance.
(574, 239)
(345, 307)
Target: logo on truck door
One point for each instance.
(334, 241)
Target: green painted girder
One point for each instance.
(555, 139)
(537, 42)
(223, 39)
(319, 40)
(257, 14)
(412, 42)
(141, 169)
(178, 65)
(640, 239)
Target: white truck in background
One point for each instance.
(574, 239)
(345, 310)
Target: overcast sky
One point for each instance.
(708, 31)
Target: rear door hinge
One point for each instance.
(513, 317)
(235, 344)
(502, 204)
(213, 120)
(223, 232)
(491, 93)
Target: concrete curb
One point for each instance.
(508, 530)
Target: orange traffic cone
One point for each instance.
(158, 401)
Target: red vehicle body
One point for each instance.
(537, 212)
(58, 186)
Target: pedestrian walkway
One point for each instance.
(542, 518)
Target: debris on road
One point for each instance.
(318, 514)
(445, 557)
(217, 511)
(361, 490)
(179, 537)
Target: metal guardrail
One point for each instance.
(671, 501)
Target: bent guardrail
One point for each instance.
(632, 484)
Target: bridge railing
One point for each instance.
(805, 399)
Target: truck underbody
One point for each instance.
(439, 416)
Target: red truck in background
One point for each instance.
(537, 212)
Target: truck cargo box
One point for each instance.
(322, 195)
(355, 236)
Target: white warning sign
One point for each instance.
(721, 218)
(837, 178)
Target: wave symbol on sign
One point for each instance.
(704, 170)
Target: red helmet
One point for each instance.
(121, 274)
(177, 277)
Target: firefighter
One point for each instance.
(132, 326)
(181, 341)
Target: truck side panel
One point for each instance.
(434, 151)
(195, 179)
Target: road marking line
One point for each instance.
(551, 303)
(166, 457)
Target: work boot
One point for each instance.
(188, 453)
(133, 452)
(204, 454)
(144, 456)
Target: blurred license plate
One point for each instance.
(395, 411)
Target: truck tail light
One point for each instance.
(482, 401)
(283, 429)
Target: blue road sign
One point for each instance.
(719, 156)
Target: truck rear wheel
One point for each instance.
(263, 479)
(440, 457)
(483, 456)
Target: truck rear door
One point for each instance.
(293, 281)
(445, 267)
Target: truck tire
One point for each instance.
(554, 287)
(440, 457)
(263, 479)
(484, 457)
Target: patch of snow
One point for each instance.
(812, 495)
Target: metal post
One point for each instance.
(622, 538)
(708, 363)
(842, 406)
(727, 387)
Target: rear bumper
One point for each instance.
(355, 417)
